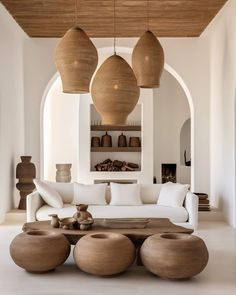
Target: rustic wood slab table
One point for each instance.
(136, 235)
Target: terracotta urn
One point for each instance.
(104, 253)
(39, 251)
(26, 173)
(174, 256)
(63, 173)
(114, 91)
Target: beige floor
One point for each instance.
(219, 278)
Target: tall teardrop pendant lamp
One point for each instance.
(148, 59)
(114, 89)
(76, 59)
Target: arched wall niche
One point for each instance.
(185, 142)
(103, 53)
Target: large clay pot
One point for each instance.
(63, 173)
(39, 251)
(114, 91)
(148, 61)
(104, 254)
(26, 173)
(76, 59)
(174, 256)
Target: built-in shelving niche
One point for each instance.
(127, 154)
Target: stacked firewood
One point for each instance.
(109, 165)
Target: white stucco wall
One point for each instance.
(171, 110)
(188, 56)
(11, 108)
(221, 35)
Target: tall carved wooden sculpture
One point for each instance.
(26, 173)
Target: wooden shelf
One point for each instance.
(115, 149)
(115, 128)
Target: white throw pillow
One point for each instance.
(48, 194)
(172, 194)
(90, 194)
(125, 194)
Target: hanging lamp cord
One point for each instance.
(76, 13)
(114, 25)
(147, 15)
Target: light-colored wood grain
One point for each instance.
(155, 226)
(174, 256)
(104, 254)
(168, 18)
(39, 251)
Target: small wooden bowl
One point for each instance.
(67, 223)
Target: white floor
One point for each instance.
(219, 277)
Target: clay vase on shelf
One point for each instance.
(104, 253)
(106, 140)
(122, 142)
(26, 173)
(95, 141)
(174, 256)
(134, 142)
(63, 173)
(39, 251)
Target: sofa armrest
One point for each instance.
(191, 205)
(33, 202)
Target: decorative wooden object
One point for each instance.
(63, 173)
(179, 18)
(114, 91)
(122, 142)
(154, 226)
(76, 59)
(25, 172)
(174, 256)
(95, 141)
(148, 61)
(115, 128)
(104, 254)
(109, 165)
(106, 140)
(39, 251)
(67, 223)
(83, 218)
(134, 142)
(55, 222)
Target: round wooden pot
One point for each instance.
(104, 254)
(95, 141)
(26, 173)
(174, 256)
(39, 251)
(114, 91)
(63, 173)
(76, 59)
(148, 61)
(106, 140)
(122, 142)
(134, 142)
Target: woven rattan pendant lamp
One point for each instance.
(148, 59)
(76, 59)
(114, 89)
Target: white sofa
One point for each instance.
(186, 216)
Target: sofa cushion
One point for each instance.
(48, 194)
(172, 194)
(145, 211)
(89, 194)
(150, 193)
(125, 194)
(64, 189)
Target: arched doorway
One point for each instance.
(103, 53)
(59, 130)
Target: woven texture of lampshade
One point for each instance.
(148, 61)
(76, 59)
(114, 91)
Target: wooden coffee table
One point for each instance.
(137, 236)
